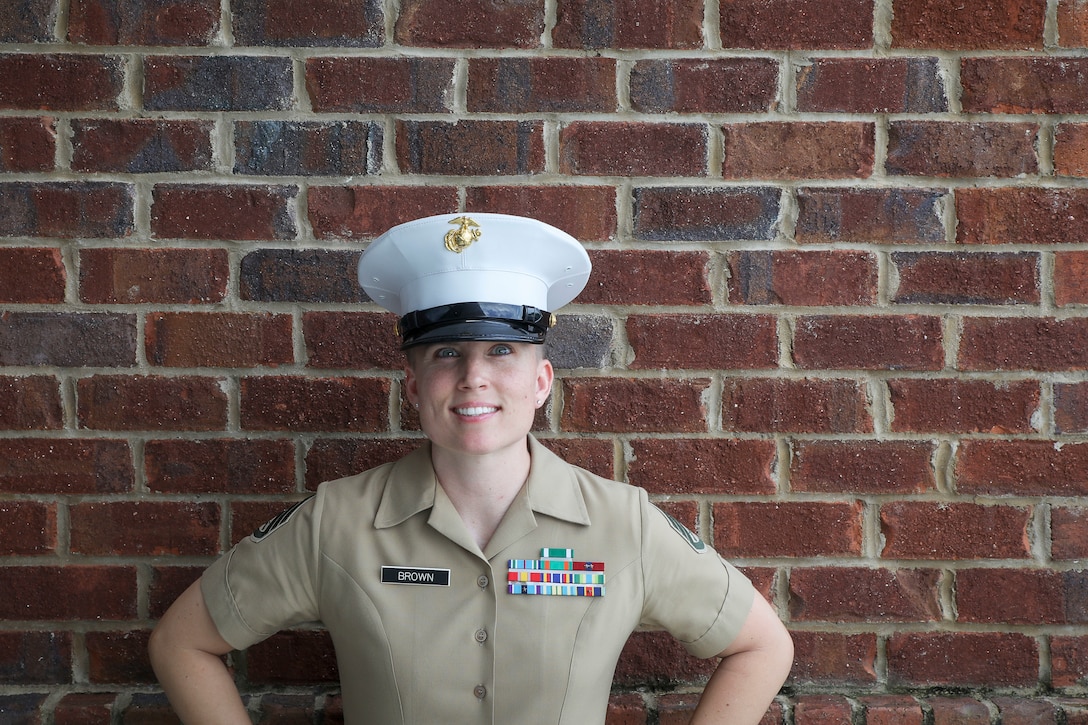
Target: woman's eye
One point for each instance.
(445, 352)
(502, 350)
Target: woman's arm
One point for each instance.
(752, 670)
(186, 651)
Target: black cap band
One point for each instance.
(475, 321)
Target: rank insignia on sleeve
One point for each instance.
(279, 520)
(693, 541)
(556, 573)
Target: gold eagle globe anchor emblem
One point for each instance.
(459, 239)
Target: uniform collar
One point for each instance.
(551, 490)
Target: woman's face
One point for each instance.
(477, 397)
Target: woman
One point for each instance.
(481, 579)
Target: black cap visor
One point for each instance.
(474, 321)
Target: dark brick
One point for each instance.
(471, 147)
(60, 81)
(592, 454)
(30, 529)
(379, 85)
(314, 148)
(947, 149)
(27, 144)
(964, 278)
(1068, 533)
(166, 585)
(143, 22)
(476, 24)
(1024, 343)
(874, 467)
(141, 145)
(96, 593)
(68, 339)
(23, 709)
(148, 709)
(580, 341)
(541, 85)
(205, 211)
(1024, 85)
(706, 85)
(883, 342)
(1022, 215)
(705, 214)
(1017, 711)
(30, 403)
(1071, 407)
(611, 148)
(119, 657)
(650, 277)
(934, 659)
(66, 209)
(300, 275)
(771, 277)
(31, 275)
(322, 23)
(1069, 656)
(217, 83)
(346, 212)
(133, 276)
(315, 404)
(798, 150)
(960, 710)
(634, 405)
(968, 24)
(121, 402)
(871, 85)
(702, 466)
(941, 530)
(585, 212)
(779, 405)
(28, 21)
(145, 528)
(331, 458)
(593, 24)
(220, 466)
(1020, 468)
(840, 594)
(218, 339)
(65, 466)
(1042, 597)
(831, 658)
(950, 405)
(703, 341)
(796, 24)
(352, 340)
(792, 529)
(883, 216)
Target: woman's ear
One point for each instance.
(545, 378)
(411, 388)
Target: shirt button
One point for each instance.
(481, 635)
(480, 692)
(482, 581)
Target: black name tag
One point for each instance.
(415, 575)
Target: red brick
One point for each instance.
(344, 212)
(122, 402)
(476, 24)
(959, 711)
(470, 148)
(308, 23)
(593, 454)
(60, 82)
(1032, 84)
(634, 405)
(379, 85)
(787, 277)
(874, 467)
(223, 212)
(968, 24)
(676, 708)
(315, 404)
(1017, 711)
(1021, 467)
(65, 466)
(702, 466)
(610, 148)
(587, 213)
(656, 659)
(170, 276)
(674, 24)
(159, 22)
(822, 710)
(145, 528)
(900, 342)
(1069, 661)
(352, 340)
(1021, 215)
(1070, 149)
(217, 83)
(966, 278)
(703, 341)
(796, 24)
(300, 275)
(30, 403)
(948, 149)
(626, 708)
(29, 527)
(938, 530)
(218, 339)
(1024, 343)
(892, 710)
(779, 405)
(294, 657)
(948, 405)
(871, 85)
(220, 466)
(700, 213)
(84, 708)
(648, 278)
(991, 659)
(787, 529)
(67, 210)
(1068, 533)
(798, 150)
(1072, 24)
(1042, 597)
(836, 594)
(35, 658)
(542, 85)
(1070, 278)
(705, 85)
(119, 658)
(888, 216)
(332, 458)
(27, 144)
(30, 275)
(97, 593)
(832, 658)
(166, 585)
(307, 148)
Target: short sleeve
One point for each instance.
(268, 580)
(691, 592)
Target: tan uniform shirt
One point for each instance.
(427, 646)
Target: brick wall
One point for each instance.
(837, 320)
